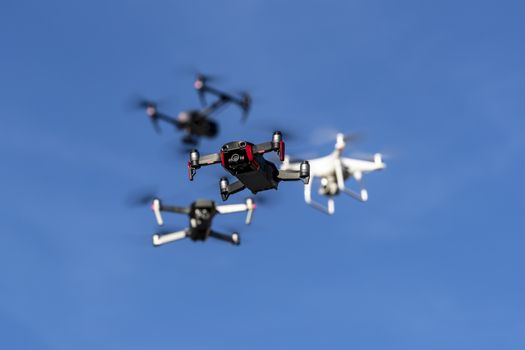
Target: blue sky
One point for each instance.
(433, 261)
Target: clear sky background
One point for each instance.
(434, 260)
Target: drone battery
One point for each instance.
(251, 169)
(261, 179)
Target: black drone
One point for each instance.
(198, 123)
(245, 161)
(201, 213)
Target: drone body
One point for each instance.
(198, 123)
(333, 170)
(201, 214)
(245, 161)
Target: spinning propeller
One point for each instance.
(151, 110)
(200, 84)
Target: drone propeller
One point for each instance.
(156, 126)
(204, 78)
(246, 104)
(190, 142)
(199, 84)
(328, 135)
(176, 150)
(151, 110)
(141, 198)
(139, 102)
(264, 198)
(353, 137)
(372, 156)
(298, 159)
(287, 135)
(267, 128)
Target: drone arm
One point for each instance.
(158, 207)
(308, 199)
(215, 106)
(235, 208)
(196, 161)
(222, 99)
(174, 209)
(168, 119)
(264, 147)
(159, 240)
(220, 94)
(276, 145)
(293, 175)
(231, 208)
(228, 189)
(233, 238)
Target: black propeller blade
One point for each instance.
(200, 85)
(264, 198)
(141, 198)
(151, 110)
(246, 104)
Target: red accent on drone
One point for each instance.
(249, 152)
(222, 158)
(281, 150)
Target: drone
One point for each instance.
(245, 161)
(201, 213)
(198, 123)
(333, 170)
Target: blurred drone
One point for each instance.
(201, 213)
(245, 161)
(333, 170)
(198, 123)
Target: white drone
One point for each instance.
(333, 170)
